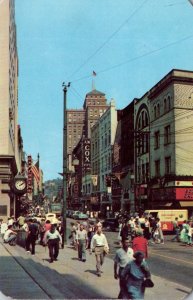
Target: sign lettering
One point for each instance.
(86, 155)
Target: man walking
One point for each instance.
(81, 241)
(32, 236)
(176, 231)
(122, 257)
(53, 238)
(99, 245)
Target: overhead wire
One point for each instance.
(175, 3)
(185, 150)
(108, 39)
(76, 92)
(137, 57)
(181, 115)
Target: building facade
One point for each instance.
(102, 140)
(95, 104)
(10, 137)
(123, 161)
(75, 128)
(142, 152)
(164, 163)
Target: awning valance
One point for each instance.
(186, 203)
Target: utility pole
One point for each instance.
(65, 88)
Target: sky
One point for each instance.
(130, 44)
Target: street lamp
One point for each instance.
(65, 88)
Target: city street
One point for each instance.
(96, 114)
(33, 277)
(171, 261)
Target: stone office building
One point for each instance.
(11, 144)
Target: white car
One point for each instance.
(52, 218)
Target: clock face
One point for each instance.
(20, 185)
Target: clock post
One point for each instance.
(19, 187)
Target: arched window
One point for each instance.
(165, 105)
(139, 123)
(155, 112)
(146, 119)
(158, 110)
(169, 102)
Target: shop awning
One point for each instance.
(186, 203)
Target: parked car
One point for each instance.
(110, 224)
(76, 212)
(81, 216)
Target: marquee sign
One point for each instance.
(29, 175)
(86, 154)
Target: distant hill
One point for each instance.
(52, 189)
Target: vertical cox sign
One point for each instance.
(86, 154)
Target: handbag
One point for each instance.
(148, 283)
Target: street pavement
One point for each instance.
(171, 260)
(24, 276)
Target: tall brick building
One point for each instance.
(79, 124)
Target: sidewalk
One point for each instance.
(67, 278)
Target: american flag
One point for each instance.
(35, 171)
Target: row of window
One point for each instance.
(167, 137)
(142, 143)
(167, 166)
(105, 164)
(143, 172)
(166, 107)
(105, 142)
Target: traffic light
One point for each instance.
(108, 180)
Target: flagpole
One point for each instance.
(93, 83)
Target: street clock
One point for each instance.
(20, 184)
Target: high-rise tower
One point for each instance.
(10, 150)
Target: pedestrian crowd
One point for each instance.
(130, 261)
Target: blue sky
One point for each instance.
(58, 38)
